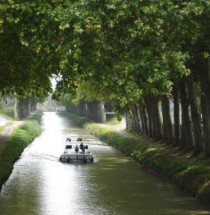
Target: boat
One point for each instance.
(76, 155)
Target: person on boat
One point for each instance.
(79, 139)
(68, 139)
(76, 148)
(82, 147)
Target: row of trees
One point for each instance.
(135, 53)
(140, 54)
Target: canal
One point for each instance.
(112, 185)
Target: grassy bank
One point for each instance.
(190, 176)
(21, 137)
(37, 116)
(8, 114)
(4, 126)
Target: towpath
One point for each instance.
(169, 149)
(8, 128)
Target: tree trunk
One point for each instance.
(144, 121)
(156, 117)
(128, 121)
(195, 116)
(149, 114)
(71, 108)
(133, 118)
(186, 122)
(96, 111)
(167, 124)
(32, 104)
(140, 127)
(82, 109)
(176, 115)
(22, 108)
(205, 104)
(136, 118)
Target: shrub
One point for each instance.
(32, 127)
(37, 115)
(78, 120)
(112, 120)
(204, 193)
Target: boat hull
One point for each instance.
(77, 157)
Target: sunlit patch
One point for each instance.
(107, 168)
(122, 161)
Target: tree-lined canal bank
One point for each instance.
(41, 185)
(190, 175)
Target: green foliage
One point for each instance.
(112, 121)
(118, 50)
(32, 127)
(80, 121)
(123, 50)
(193, 178)
(23, 70)
(8, 113)
(4, 126)
(204, 192)
(37, 116)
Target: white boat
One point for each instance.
(72, 155)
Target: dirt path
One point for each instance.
(169, 149)
(120, 128)
(3, 121)
(7, 132)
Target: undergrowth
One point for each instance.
(7, 114)
(112, 121)
(4, 126)
(36, 116)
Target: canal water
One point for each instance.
(112, 185)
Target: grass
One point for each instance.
(37, 115)
(7, 114)
(10, 112)
(112, 121)
(80, 121)
(191, 176)
(4, 126)
(10, 152)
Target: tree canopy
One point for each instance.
(110, 50)
(131, 52)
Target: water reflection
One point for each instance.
(41, 185)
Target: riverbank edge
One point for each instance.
(191, 177)
(21, 137)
